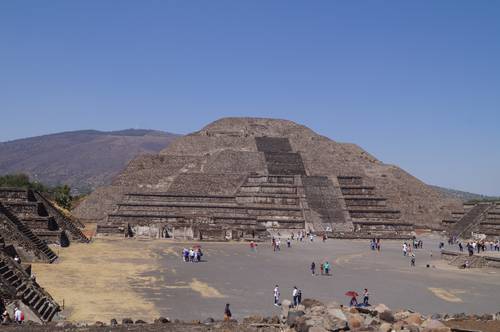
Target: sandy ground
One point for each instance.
(143, 279)
(95, 282)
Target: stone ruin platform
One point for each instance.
(254, 178)
(29, 221)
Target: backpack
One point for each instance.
(22, 316)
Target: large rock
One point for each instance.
(355, 321)
(309, 303)
(253, 319)
(317, 329)
(381, 308)
(127, 321)
(432, 325)
(386, 316)
(385, 327)
(162, 320)
(292, 317)
(414, 319)
(337, 314)
(334, 325)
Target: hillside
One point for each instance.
(462, 195)
(83, 159)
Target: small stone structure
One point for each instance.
(41, 216)
(245, 178)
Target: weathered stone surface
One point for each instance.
(253, 319)
(162, 320)
(293, 316)
(385, 327)
(338, 314)
(386, 316)
(432, 325)
(308, 303)
(335, 324)
(126, 321)
(355, 321)
(381, 308)
(414, 319)
(207, 321)
(317, 329)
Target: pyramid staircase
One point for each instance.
(15, 281)
(64, 222)
(470, 220)
(369, 213)
(24, 236)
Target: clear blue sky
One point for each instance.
(416, 83)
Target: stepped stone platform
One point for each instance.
(246, 178)
(28, 246)
(480, 218)
(19, 289)
(41, 216)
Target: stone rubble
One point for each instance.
(310, 316)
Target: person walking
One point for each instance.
(288, 243)
(276, 296)
(227, 313)
(327, 268)
(412, 259)
(313, 269)
(295, 296)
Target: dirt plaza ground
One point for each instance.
(145, 279)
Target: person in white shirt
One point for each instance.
(18, 315)
(295, 296)
(276, 296)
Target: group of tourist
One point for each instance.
(479, 246)
(192, 255)
(324, 268)
(18, 316)
(301, 235)
(296, 296)
(410, 253)
(354, 299)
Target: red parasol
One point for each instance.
(351, 293)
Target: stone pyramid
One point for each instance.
(248, 177)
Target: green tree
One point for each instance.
(62, 196)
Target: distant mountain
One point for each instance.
(463, 195)
(83, 159)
